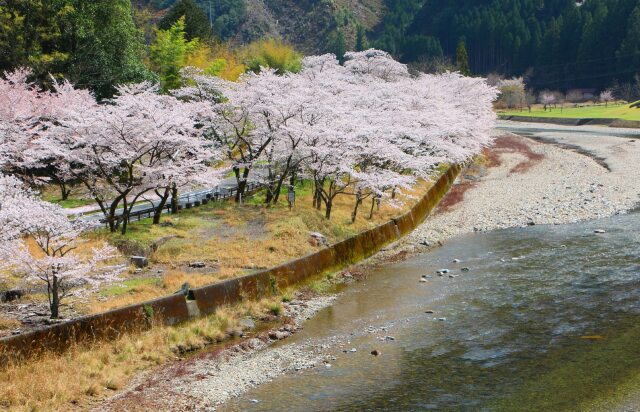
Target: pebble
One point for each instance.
(254, 401)
(442, 319)
(423, 280)
(465, 269)
(599, 231)
(376, 352)
(429, 311)
(456, 260)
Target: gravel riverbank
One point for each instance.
(573, 175)
(562, 175)
(210, 378)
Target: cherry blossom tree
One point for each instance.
(361, 129)
(38, 241)
(25, 111)
(137, 143)
(607, 96)
(547, 98)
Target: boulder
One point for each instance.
(140, 261)
(11, 295)
(318, 239)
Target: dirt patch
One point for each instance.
(455, 196)
(512, 144)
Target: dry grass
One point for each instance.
(86, 374)
(234, 240)
(9, 323)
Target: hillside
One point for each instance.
(560, 44)
(309, 25)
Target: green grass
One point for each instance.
(129, 286)
(68, 203)
(596, 112)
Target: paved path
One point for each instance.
(224, 190)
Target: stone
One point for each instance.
(138, 270)
(197, 265)
(442, 319)
(353, 350)
(247, 323)
(389, 338)
(254, 343)
(456, 260)
(254, 401)
(278, 335)
(599, 231)
(318, 239)
(140, 261)
(11, 295)
(376, 352)
(423, 280)
(424, 243)
(429, 311)
(465, 269)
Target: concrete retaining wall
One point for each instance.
(173, 309)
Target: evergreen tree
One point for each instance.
(196, 21)
(361, 39)
(462, 58)
(104, 45)
(95, 44)
(169, 54)
(337, 44)
(628, 56)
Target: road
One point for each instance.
(222, 191)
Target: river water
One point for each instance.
(546, 319)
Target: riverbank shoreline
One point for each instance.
(529, 165)
(551, 178)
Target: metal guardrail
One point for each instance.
(190, 200)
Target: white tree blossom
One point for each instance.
(40, 243)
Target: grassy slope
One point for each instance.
(220, 234)
(611, 112)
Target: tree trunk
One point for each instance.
(328, 204)
(54, 302)
(242, 183)
(355, 210)
(174, 198)
(157, 213)
(373, 203)
(64, 190)
(125, 217)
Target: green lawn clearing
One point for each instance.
(624, 112)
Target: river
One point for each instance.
(546, 318)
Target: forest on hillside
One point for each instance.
(554, 44)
